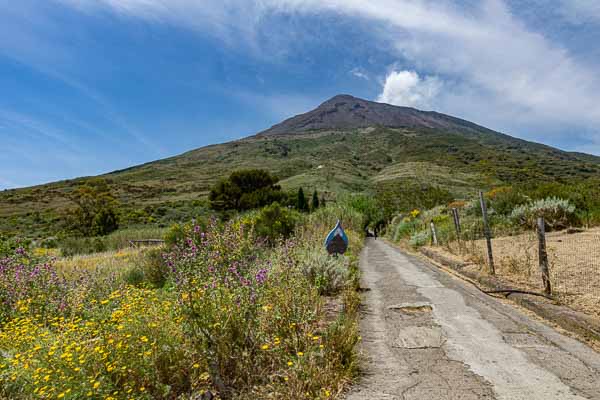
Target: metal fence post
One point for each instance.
(543, 255)
(433, 234)
(487, 233)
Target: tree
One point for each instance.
(301, 203)
(245, 190)
(105, 221)
(95, 212)
(315, 200)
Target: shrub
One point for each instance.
(419, 239)
(557, 213)
(245, 190)
(105, 221)
(504, 200)
(149, 270)
(275, 222)
(176, 234)
(325, 218)
(8, 246)
(329, 274)
(406, 228)
(29, 284)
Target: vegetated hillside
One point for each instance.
(346, 144)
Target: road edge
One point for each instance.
(568, 319)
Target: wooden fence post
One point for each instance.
(433, 234)
(487, 233)
(543, 255)
(456, 218)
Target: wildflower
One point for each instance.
(196, 366)
(265, 347)
(299, 354)
(290, 363)
(144, 339)
(96, 385)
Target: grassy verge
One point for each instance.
(220, 311)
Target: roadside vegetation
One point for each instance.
(245, 306)
(511, 209)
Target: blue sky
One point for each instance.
(90, 86)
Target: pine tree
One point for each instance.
(315, 200)
(301, 203)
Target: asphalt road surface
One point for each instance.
(429, 335)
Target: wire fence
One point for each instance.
(572, 259)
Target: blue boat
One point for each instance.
(336, 241)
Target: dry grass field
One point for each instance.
(574, 260)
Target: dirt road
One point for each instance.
(428, 335)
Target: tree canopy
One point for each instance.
(95, 212)
(245, 190)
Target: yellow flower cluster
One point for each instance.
(105, 358)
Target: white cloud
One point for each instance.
(360, 73)
(407, 88)
(498, 66)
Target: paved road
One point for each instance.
(428, 335)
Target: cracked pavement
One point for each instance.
(428, 335)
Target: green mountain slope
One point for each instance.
(346, 144)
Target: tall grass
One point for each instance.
(115, 241)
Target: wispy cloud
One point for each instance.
(486, 52)
(360, 73)
(30, 37)
(34, 128)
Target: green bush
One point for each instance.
(275, 222)
(245, 190)
(406, 228)
(150, 270)
(176, 234)
(505, 199)
(557, 213)
(8, 246)
(329, 274)
(419, 239)
(105, 221)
